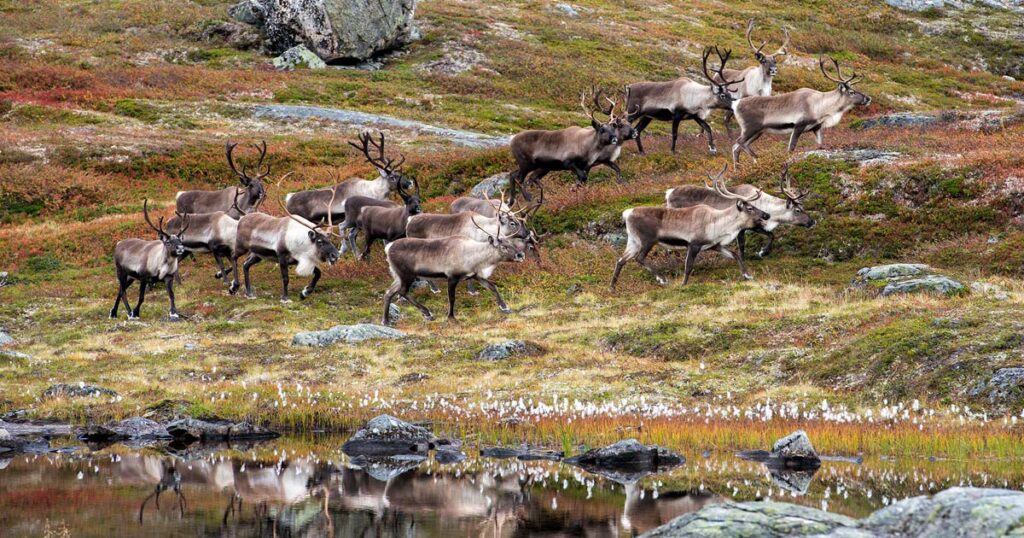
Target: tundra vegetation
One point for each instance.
(96, 118)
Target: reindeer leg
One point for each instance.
(765, 250)
(691, 256)
(497, 296)
(795, 137)
(142, 297)
(817, 135)
(283, 264)
(725, 122)
(366, 248)
(675, 130)
(641, 258)
(308, 290)
(728, 253)
(629, 254)
(249, 262)
(471, 287)
(640, 126)
(581, 174)
(453, 282)
(122, 287)
(615, 167)
(404, 292)
(388, 297)
(741, 242)
(711, 136)
(173, 315)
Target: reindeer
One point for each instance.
(577, 149)
(227, 200)
(169, 480)
(481, 206)
(291, 240)
(473, 225)
(756, 80)
(148, 262)
(387, 223)
(789, 210)
(454, 258)
(697, 228)
(681, 99)
(310, 205)
(796, 112)
(350, 228)
(210, 232)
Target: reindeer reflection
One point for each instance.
(169, 479)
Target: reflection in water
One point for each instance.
(271, 491)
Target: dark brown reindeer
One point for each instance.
(387, 223)
(786, 210)
(210, 232)
(350, 228)
(453, 258)
(228, 200)
(289, 240)
(148, 262)
(311, 205)
(681, 99)
(577, 149)
(796, 112)
(697, 228)
(754, 80)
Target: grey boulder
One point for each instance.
(491, 186)
(892, 270)
(794, 445)
(937, 284)
(386, 435)
(351, 334)
(194, 429)
(131, 428)
(1005, 385)
(627, 461)
(6, 340)
(335, 30)
(506, 349)
(64, 390)
(298, 56)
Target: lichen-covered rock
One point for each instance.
(192, 429)
(504, 350)
(902, 119)
(351, 334)
(386, 435)
(989, 290)
(298, 56)
(449, 456)
(6, 340)
(131, 428)
(524, 454)
(862, 157)
(938, 284)
(1005, 385)
(335, 30)
(954, 512)
(892, 270)
(64, 390)
(761, 519)
(491, 186)
(794, 445)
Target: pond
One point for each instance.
(299, 487)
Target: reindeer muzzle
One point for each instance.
(520, 257)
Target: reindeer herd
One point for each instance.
(477, 235)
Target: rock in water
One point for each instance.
(953, 512)
(336, 30)
(192, 429)
(132, 428)
(351, 334)
(386, 435)
(794, 445)
(627, 461)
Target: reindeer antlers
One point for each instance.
(720, 72)
(785, 182)
(244, 176)
(381, 162)
(757, 50)
(850, 81)
(720, 188)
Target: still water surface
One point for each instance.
(273, 489)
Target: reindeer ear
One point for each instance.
(595, 125)
(312, 235)
(739, 205)
(492, 240)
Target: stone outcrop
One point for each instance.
(335, 30)
(135, 428)
(81, 390)
(350, 334)
(386, 435)
(194, 429)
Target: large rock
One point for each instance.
(193, 429)
(1006, 385)
(32, 428)
(64, 390)
(627, 461)
(862, 157)
(131, 428)
(760, 519)
(386, 435)
(942, 285)
(491, 186)
(336, 30)
(794, 445)
(955, 512)
(892, 270)
(506, 349)
(351, 334)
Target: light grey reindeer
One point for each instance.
(148, 262)
(757, 79)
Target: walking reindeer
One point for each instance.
(148, 262)
(754, 80)
(234, 201)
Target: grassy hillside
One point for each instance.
(105, 104)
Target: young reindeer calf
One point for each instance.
(453, 258)
(697, 228)
(387, 223)
(148, 262)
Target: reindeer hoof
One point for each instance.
(428, 317)
(250, 295)
(748, 277)
(713, 150)
(305, 293)
(173, 317)
(504, 309)
(219, 274)
(662, 280)
(113, 315)
(286, 301)
(471, 292)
